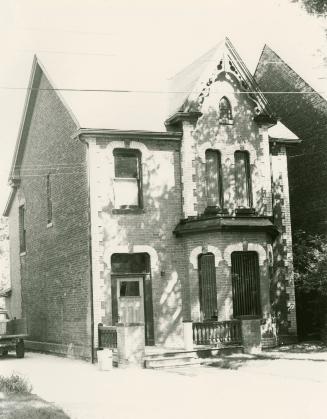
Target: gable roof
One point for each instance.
(192, 84)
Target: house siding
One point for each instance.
(55, 271)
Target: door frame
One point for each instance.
(147, 301)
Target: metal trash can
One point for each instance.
(105, 359)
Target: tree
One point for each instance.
(310, 277)
(314, 7)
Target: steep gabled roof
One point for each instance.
(190, 86)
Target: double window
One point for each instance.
(243, 192)
(22, 229)
(214, 184)
(127, 182)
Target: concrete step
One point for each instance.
(163, 362)
(171, 354)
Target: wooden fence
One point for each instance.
(107, 336)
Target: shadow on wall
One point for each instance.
(162, 212)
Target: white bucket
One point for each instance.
(105, 359)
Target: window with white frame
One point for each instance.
(127, 182)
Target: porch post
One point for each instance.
(130, 344)
(251, 335)
(188, 334)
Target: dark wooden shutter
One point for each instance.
(242, 180)
(245, 284)
(208, 289)
(213, 179)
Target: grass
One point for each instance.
(17, 402)
(15, 384)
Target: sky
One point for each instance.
(154, 39)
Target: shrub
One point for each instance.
(15, 384)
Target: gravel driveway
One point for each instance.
(280, 385)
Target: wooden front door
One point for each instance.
(130, 300)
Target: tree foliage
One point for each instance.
(314, 7)
(310, 263)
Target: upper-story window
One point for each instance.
(22, 229)
(243, 189)
(214, 182)
(49, 200)
(225, 111)
(127, 182)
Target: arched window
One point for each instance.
(207, 287)
(246, 284)
(214, 179)
(225, 111)
(243, 189)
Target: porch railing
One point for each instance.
(211, 333)
(107, 336)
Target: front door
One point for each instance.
(130, 300)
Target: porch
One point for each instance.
(210, 339)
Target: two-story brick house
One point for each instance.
(154, 217)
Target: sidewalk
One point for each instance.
(264, 388)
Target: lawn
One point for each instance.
(18, 402)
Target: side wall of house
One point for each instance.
(55, 269)
(14, 302)
(282, 283)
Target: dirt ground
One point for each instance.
(287, 383)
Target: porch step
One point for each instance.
(166, 362)
(181, 358)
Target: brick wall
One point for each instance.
(282, 283)
(55, 271)
(14, 302)
(304, 112)
(149, 231)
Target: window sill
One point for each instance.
(226, 122)
(22, 253)
(245, 211)
(215, 210)
(49, 225)
(128, 211)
